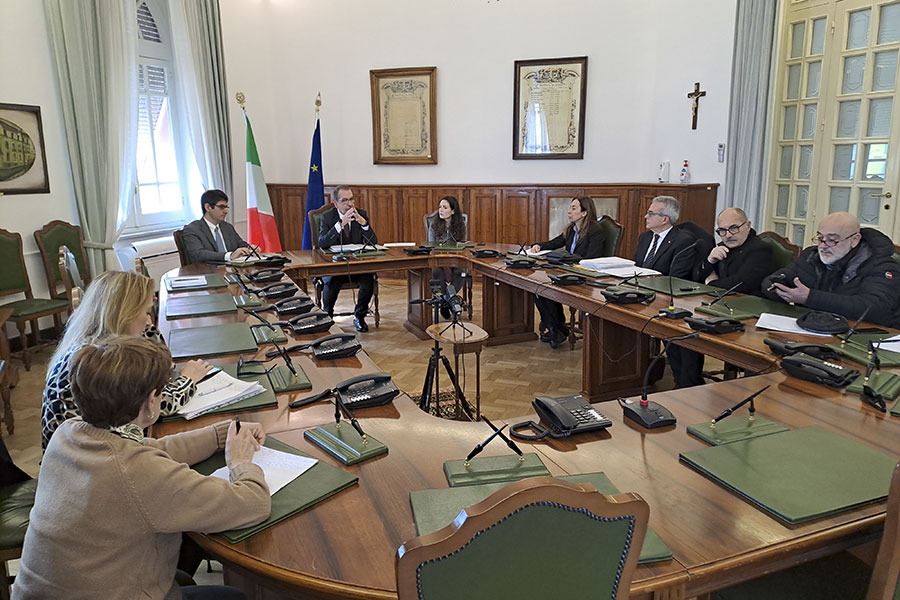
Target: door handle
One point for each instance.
(884, 195)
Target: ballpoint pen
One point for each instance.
(729, 411)
(481, 446)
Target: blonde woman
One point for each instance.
(116, 303)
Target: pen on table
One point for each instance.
(512, 445)
(729, 411)
(481, 446)
(237, 424)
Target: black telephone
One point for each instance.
(274, 261)
(717, 325)
(487, 253)
(568, 279)
(562, 257)
(564, 416)
(278, 290)
(298, 305)
(316, 322)
(618, 294)
(804, 366)
(519, 263)
(782, 348)
(266, 275)
(419, 251)
(363, 391)
(336, 345)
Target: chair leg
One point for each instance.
(7, 582)
(377, 312)
(7, 408)
(20, 325)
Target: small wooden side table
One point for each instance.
(464, 342)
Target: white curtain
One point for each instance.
(745, 186)
(200, 73)
(95, 48)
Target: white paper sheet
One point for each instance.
(354, 247)
(626, 272)
(782, 323)
(279, 468)
(220, 390)
(400, 245)
(606, 262)
(892, 343)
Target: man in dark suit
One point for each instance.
(346, 224)
(662, 241)
(212, 238)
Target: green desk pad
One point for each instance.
(344, 442)
(491, 469)
(749, 307)
(735, 428)
(895, 412)
(857, 350)
(236, 277)
(199, 306)
(660, 284)
(798, 475)
(886, 384)
(213, 281)
(264, 399)
(318, 483)
(450, 246)
(264, 335)
(228, 338)
(435, 509)
(377, 252)
(583, 271)
(248, 301)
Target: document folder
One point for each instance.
(212, 281)
(748, 307)
(228, 338)
(179, 307)
(266, 399)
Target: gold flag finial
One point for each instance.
(240, 99)
(318, 102)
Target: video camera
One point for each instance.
(447, 296)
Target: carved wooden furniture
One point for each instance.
(50, 238)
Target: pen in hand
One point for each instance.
(237, 424)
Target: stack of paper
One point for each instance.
(279, 468)
(219, 390)
(892, 343)
(188, 282)
(606, 262)
(784, 324)
(355, 248)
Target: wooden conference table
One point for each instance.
(345, 546)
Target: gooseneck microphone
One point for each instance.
(671, 312)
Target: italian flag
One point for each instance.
(260, 217)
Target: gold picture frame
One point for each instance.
(404, 116)
(548, 108)
(23, 159)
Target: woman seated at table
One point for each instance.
(111, 506)
(116, 303)
(582, 236)
(448, 227)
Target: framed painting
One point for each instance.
(548, 108)
(404, 130)
(23, 162)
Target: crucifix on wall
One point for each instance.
(695, 103)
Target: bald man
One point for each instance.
(849, 270)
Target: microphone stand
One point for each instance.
(852, 331)
(671, 312)
(721, 297)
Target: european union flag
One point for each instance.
(315, 186)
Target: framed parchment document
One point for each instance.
(548, 108)
(403, 116)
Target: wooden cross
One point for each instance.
(695, 103)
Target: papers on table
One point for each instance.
(537, 254)
(220, 390)
(354, 248)
(782, 323)
(188, 282)
(400, 245)
(279, 468)
(892, 343)
(616, 266)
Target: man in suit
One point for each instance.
(346, 224)
(212, 238)
(741, 259)
(658, 245)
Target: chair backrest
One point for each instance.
(536, 538)
(13, 275)
(314, 217)
(178, 234)
(71, 278)
(430, 217)
(49, 238)
(612, 235)
(783, 251)
(885, 583)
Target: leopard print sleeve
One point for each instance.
(57, 404)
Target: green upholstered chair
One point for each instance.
(50, 238)
(783, 251)
(538, 538)
(466, 292)
(14, 281)
(17, 490)
(315, 217)
(839, 577)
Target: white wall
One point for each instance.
(644, 58)
(28, 76)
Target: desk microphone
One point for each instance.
(671, 312)
(647, 413)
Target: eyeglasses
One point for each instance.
(829, 242)
(221, 206)
(732, 229)
(653, 213)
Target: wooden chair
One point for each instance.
(50, 238)
(178, 234)
(783, 251)
(71, 278)
(612, 241)
(315, 217)
(841, 576)
(14, 280)
(466, 290)
(537, 538)
(17, 490)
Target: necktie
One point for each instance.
(220, 244)
(652, 253)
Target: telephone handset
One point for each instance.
(266, 275)
(336, 345)
(618, 294)
(715, 325)
(419, 251)
(519, 263)
(564, 416)
(273, 261)
(298, 305)
(278, 290)
(487, 253)
(783, 348)
(363, 391)
(804, 366)
(568, 279)
(562, 257)
(316, 322)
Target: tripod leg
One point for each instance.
(425, 398)
(456, 388)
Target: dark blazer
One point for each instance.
(328, 236)
(200, 246)
(748, 264)
(676, 241)
(588, 246)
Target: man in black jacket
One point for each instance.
(658, 245)
(848, 271)
(346, 224)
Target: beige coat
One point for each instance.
(109, 512)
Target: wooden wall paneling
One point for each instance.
(517, 217)
(482, 206)
(416, 203)
(383, 205)
(620, 196)
(289, 208)
(555, 202)
(700, 206)
(435, 195)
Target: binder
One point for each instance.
(212, 281)
(749, 307)
(228, 338)
(266, 399)
(179, 307)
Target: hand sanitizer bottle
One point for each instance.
(685, 175)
